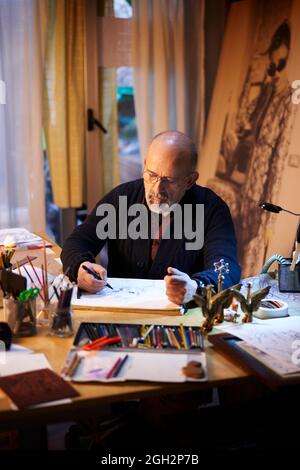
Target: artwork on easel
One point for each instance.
(251, 127)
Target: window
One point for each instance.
(128, 143)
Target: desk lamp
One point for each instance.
(288, 283)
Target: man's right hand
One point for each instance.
(87, 282)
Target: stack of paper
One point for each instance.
(274, 342)
(136, 295)
(18, 362)
(18, 236)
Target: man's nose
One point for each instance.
(160, 186)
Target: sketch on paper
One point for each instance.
(135, 294)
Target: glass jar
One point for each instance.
(45, 314)
(20, 316)
(62, 323)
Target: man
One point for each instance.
(169, 179)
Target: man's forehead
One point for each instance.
(169, 148)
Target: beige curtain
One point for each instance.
(22, 193)
(64, 107)
(168, 57)
(108, 112)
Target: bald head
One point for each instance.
(176, 147)
(169, 168)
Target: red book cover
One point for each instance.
(36, 387)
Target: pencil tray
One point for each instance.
(161, 337)
(289, 281)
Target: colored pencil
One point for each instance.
(120, 366)
(46, 272)
(35, 273)
(174, 339)
(33, 283)
(115, 366)
(183, 336)
(191, 337)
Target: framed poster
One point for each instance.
(251, 151)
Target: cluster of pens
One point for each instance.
(77, 358)
(97, 335)
(42, 284)
(5, 258)
(62, 324)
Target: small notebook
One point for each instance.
(36, 387)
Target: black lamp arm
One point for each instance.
(267, 206)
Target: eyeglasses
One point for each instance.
(152, 177)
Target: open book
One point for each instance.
(138, 295)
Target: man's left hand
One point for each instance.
(180, 288)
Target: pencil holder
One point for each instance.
(20, 316)
(289, 281)
(62, 323)
(9, 268)
(45, 314)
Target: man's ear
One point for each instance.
(192, 179)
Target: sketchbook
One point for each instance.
(137, 295)
(154, 366)
(270, 348)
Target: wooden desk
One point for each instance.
(221, 371)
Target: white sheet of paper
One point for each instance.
(17, 348)
(276, 337)
(16, 363)
(32, 275)
(146, 366)
(280, 367)
(161, 367)
(19, 235)
(129, 293)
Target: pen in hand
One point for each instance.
(95, 275)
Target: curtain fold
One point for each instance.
(168, 58)
(22, 197)
(108, 112)
(64, 103)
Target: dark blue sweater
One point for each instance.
(130, 258)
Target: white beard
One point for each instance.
(163, 209)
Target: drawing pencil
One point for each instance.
(114, 368)
(120, 366)
(95, 275)
(183, 336)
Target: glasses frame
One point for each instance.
(154, 178)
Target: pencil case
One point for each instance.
(134, 336)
